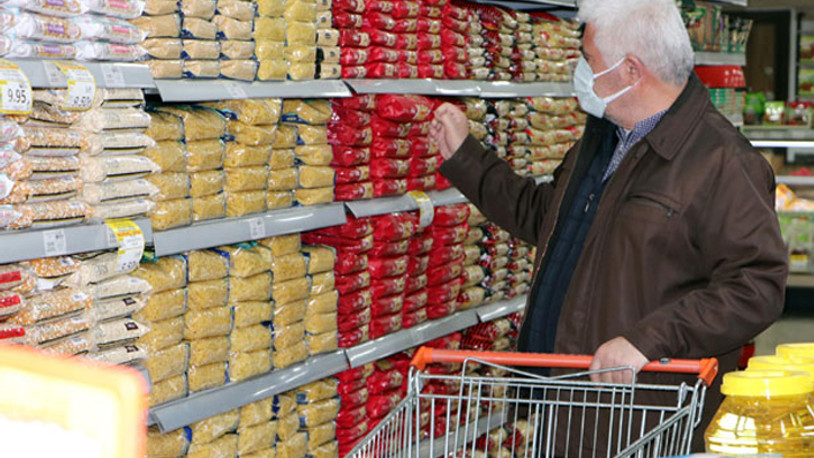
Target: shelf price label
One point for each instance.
(16, 89)
(81, 86)
(131, 244)
(426, 211)
(257, 228)
(54, 242)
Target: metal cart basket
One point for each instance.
(504, 412)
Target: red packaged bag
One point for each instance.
(430, 56)
(452, 38)
(357, 6)
(441, 182)
(390, 147)
(404, 108)
(353, 38)
(361, 102)
(455, 70)
(456, 12)
(384, 187)
(347, 20)
(445, 254)
(354, 337)
(420, 129)
(423, 147)
(346, 284)
(410, 319)
(347, 323)
(362, 245)
(431, 71)
(348, 263)
(388, 267)
(406, 25)
(348, 156)
(354, 56)
(418, 263)
(350, 385)
(346, 435)
(382, 6)
(349, 117)
(385, 167)
(379, 406)
(387, 305)
(388, 286)
(444, 273)
(384, 325)
(454, 24)
(430, 11)
(383, 381)
(346, 175)
(420, 166)
(385, 128)
(394, 227)
(352, 417)
(436, 311)
(382, 38)
(451, 215)
(448, 235)
(382, 54)
(407, 41)
(428, 25)
(407, 71)
(443, 293)
(427, 41)
(425, 183)
(381, 21)
(341, 134)
(381, 70)
(438, 3)
(416, 282)
(359, 71)
(351, 376)
(381, 249)
(415, 301)
(447, 342)
(420, 244)
(400, 9)
(356, 398)
(353, 191)
(354, 228)
(455, 54)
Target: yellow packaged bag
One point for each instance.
(255, 112)
(314, 196)
(314, 154)
(283, 407)
(238, 155)
(163, 334)
(269, 28)
(205, 377)
(209, 350)
(329, 449)
(301, 11)
(282, 245)
(317, 413)
(322, 343)
(205, 155)
(211, 322)
(251, 312)
(318, 323)
(281, 159)
(248, 134)
(170, 444)
(314, 176)
(171, 213)
(327, 37)
(272, 70)
(162, 306)
(256, 437)
(254, 288)
(324, 19)
(270, 452)
(279, 199)
(290, 290)
(165, 26)
(166, 69)
(206, 265)
(320, 258)
(269, 50)
(308, 111)
(237, 49)
(171, 185)
(163, 48)
(288, 266)
(169, 155)
(287, 426)
(256, 413)
(322, 283)
(323, 303)
(320, 435)
(238, 9)
(317, 391)
(282, 180)
(282, 358)
(245, 365)
(226, 446)
(203, 29)
(246, 178)
(245, 203)
(208, 294)
(201, 68)
(297, 32)
(201, 49)
(207, 183)
(209, 207)
(286, 137)
(298, 71)
(250, 338)
(167, 363)
(239, 69)
(209, 429)
(311, 135)
(199, 123)
(164, 274)
(165, 127)
(294, 447)
(300, 53)
(168, 390)
(233, 29)
(288, 334)
(270, 7)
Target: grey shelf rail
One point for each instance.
(779, 137)
(182, 412)
(43, 74)
(720, 58)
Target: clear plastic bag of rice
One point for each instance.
(254, 288)
(208, 351)
(208, 294)
(162, 306)
(245, 365)
(205, 377)
(168, 390)
(211, 322)
(167, 363)
(163, 334)
(251, 312)
(209, 429)
(250, 338)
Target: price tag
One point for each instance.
(81, 86)
(112, 76)
(235, 90)
(54, 242)
(16, 89)
(131, 244)
(426, 211)
(257, 228)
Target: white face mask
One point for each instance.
(584, 86)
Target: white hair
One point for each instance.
(652, 30)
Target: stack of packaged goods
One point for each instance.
(251, 130)
(498, 33)
(200, 49)
(317, 408)
(235, 31)
(206, 298)
(352, 241)
(114, 169)
(328, 53)
(213, 436)
(556, 45)
(386, 388)
(350, 135)
(524, 67)
(289, 442)
(353, 41)
(203, 129)
(42, 29)
(554, 127)
(289, 293)
(256, 429)
(269, 36)
(321, 307)
(391, 151)
(448, 231)
(521, 265)
(392, 28)
(472, 293)
(250, 283)
(477, 65)
(352, 423)
(388, 263)
(162, 23)
(172, 184)
(168, 355)
(454, 31)
(442, 414)
(315, 177)
(300, 50)
(415, 293)
(429, 57)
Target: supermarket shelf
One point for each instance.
(795, 180)
(720, 58)
(493, 311)
(31, 244)
(203, 90)
(800, 281)
(732, 2)
(505, 89)
(780, 137)
(407, 338)
(435, 448)
(196, 407)
(43, 74)
(492, 89)
(234, 230)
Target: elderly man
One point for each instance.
(657, 237)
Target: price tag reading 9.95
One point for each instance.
(15, 89)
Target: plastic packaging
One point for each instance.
(254, 288)
(251, 312)
(283, 179)
(292, 448)
(211, 322)
(288, 424)
(282, 245)
(205, 377)
(354, 302)
(236, 49)
(210, 429)
(198, 123)
(208, 294)
(315, 176)
(245, 365)
(225, 446)
(289, 334)
(163, 334)
(256, 413)
(255, 438)
(168, 363)
(282, 358)
(171, 443)
(250, 338)
(279, 199)
(314, 196)
(209, 350)
(207, 183)
(168, 390)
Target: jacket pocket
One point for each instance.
(650, 207)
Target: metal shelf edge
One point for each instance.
(381, 206)
(795, 180)
(501, 309)
(235, 230)
(205, 404)
(220, 89)
(106, 74)
(505, 89)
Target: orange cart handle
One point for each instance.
(707, 369)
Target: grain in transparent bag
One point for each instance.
(163, 334)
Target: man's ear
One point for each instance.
(634, 69)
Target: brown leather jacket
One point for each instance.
(684, 258)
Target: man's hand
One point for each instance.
(617, 352)
(449, 129)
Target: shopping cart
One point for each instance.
(507, 412)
